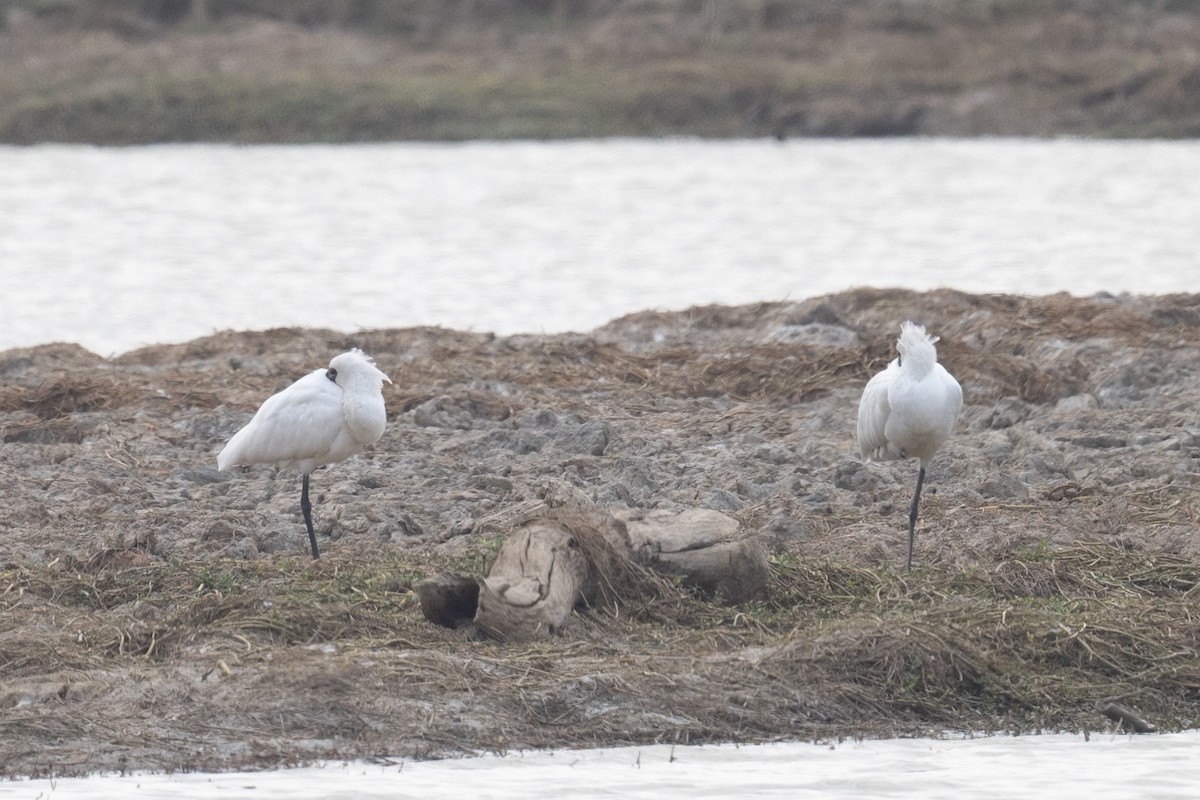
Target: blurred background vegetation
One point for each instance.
(139, 71)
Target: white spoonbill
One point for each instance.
(326, 416)
(909, 409)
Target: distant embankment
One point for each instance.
(113, 72)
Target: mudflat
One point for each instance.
(161, 615)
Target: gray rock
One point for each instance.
(613, 495)
(591, 438)
(200, 475)
(1007, 412)
(774, 453)
(721, 500)
(1077, 402)
(283, 541)
(853, 475)
(530, 441)
(245, 549)
(1003, 486)
(219, 531)
(441, 413)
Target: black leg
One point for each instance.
(912, 516)
(306, 507)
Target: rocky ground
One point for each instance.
(159, 614)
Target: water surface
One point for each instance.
(116, 248)
(1058, 766)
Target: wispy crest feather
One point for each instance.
(916, 347)
(363, 364)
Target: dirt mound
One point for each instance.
(162, 615)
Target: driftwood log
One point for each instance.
(701, 547)
(1126, 719)
(573, 557)
(449, 600)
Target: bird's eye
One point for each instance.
(331, 373)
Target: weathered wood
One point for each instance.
(734, 571)
(573, 556)
(449, 600)
(658, 531)
(537, 577)
(703, 547)
(547, 567)
(1128, 720)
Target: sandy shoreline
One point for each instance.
(161, 615)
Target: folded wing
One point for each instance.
(298, 428)
(873, 413)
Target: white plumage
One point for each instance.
(909, 409)
(326, 416)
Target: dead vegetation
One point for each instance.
(118, 73)
(161, 615)
(836, 650)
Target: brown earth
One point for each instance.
(160, 615)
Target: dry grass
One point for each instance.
(96, 71)
(1033, 642)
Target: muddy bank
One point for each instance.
(162, 615)
(119, 73)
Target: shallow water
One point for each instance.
(1059, 766)
(116, 248)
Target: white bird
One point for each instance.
(909, 409)
(326, 416)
